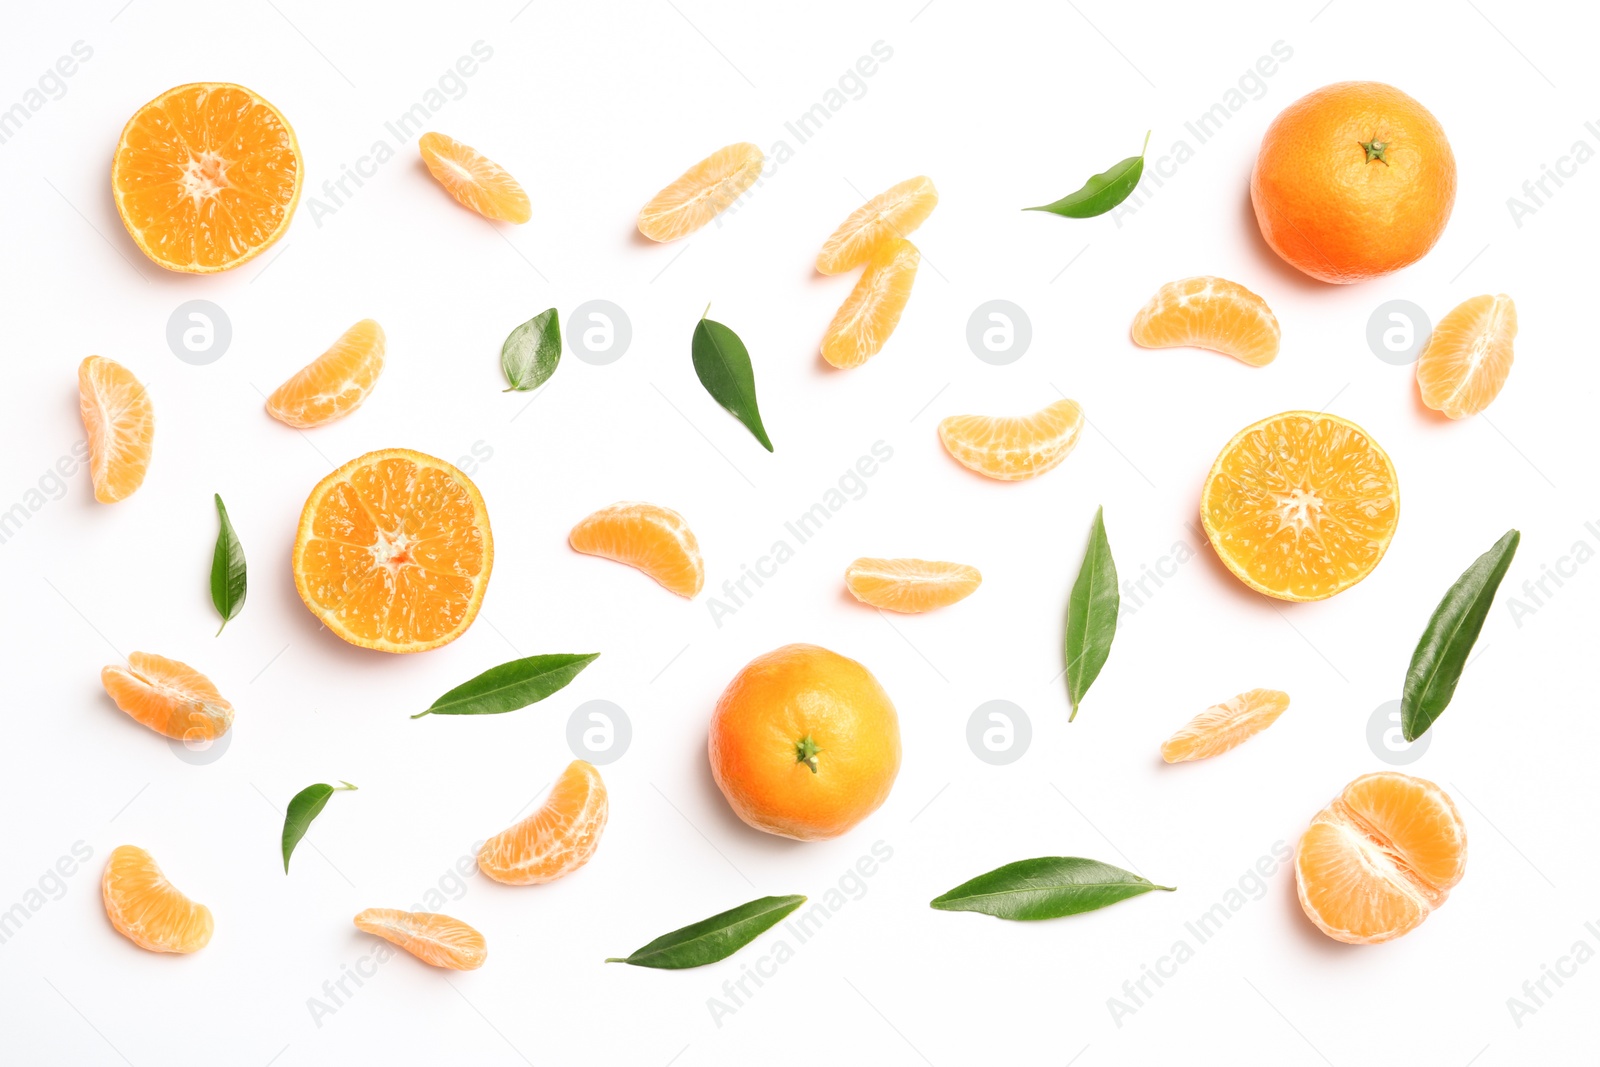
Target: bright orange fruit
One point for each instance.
(171, 698)
(910, 585)
(653, 539)
(437, 940)
(701, 193)
(474, 180)
(120, 424)
(555, 840)
(146, 908)
(872, 310)
(1209, 312)
(1468, 357)
(206, 176)
(1011, 448)
(891, 214)
(1380, 858)
(335, 383)
(394, 551)
(1226, 725)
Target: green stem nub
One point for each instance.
(1375, 150)
(806, 752)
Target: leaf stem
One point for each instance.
(706, 312)
(1146, 146)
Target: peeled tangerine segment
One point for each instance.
(891, 214)
(701, 193)
(335, 383)
(474, 180)
(146, 908)
(870, 313)
(910, 585)
(1011, 448)
(120, 425)
(1226, 725)
(171, 698)
(556, 839)
(437, 940)
(1212, 313)
(647, 537)
(1469, 356)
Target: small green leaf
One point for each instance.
(1091, 614)
(511, 685)
(306, 806)
(1441, 655)
(723, 366)
(227, 568)
(1102, 192)
(713, 939)
(1045, 888)
(532, 351)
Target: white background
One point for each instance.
(593, 108)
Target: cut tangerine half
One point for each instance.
(335, 383)
(872, 310)
(891, 214)
(206, 176)
(437, 940)
(1211, 313)
(1010, 447)
(1380, 858)
(701, 193)
(647, 537)
(555, 840)
(120, 424)
(1226, 725)
(1469, 356)
(476, 182)
(394, 551)
(171, 698)
(910, 585)
(146, 909)
(1301, 505)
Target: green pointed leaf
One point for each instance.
(1091, 614)
(532, 351)
(228, 583)
(1441, 655)
(511, 685)
(723, 366)
(306, 806)
(1045, 888)
(713, 939)
(1103, 191)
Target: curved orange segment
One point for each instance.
(555, 840)
(647, 537)
(171, 698)
(701, 193)
(910, 585)
(1212, 313)
(891, 214)
(872, 310)
(476, 182)
(1011, 448)
(437, 940)
(1469, 356)
(120, 424)
(335, 383)
(1226, 725)
(146, 908)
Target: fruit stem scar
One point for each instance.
(1375, 149)
(806, 752)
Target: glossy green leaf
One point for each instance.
(1102, 192)
(1091, 614)
(306, 806)
(723, 366)
(228, 583)
(713, 939)
(1046, 888)
(511, 685)
(1441, 655)
(532, 351)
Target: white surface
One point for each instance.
(593, 108)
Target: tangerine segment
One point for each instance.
(335, 383)
(701, 193)
(1380, 858)
(146, 909)
(647, 537)
(893, 213)
(120, 425)
(555, 840)
(1011, 448)
(872, 310)
(437, 940)
(171, 698)
(1468, 357)
(206, 176)
(1212, 313)
(1301, 505)
(910, 585)
(1226, 725)
(394, 551)
(473, 179)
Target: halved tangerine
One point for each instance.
(1468, 356)
(171, 698)
(1226, 725)
(555, 840)
(647, 537)
(1213, 313)
(146, 909)
(1011, 448)
(335, 383)
(701, 193)
(120, 424)
(437, 940)
(910, 585)
(872, 310)
(476, 182)
(891, 214)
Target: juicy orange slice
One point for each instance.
(1226, 725)
(335, 383)
(120, 424)
(701, 193)
(394, 551)
(653, 539)
(1468, 357)
(474, 180)
(171, 698)
(206, 176)
(555, 840)
(910, 585)
(1212, 313)
(893, 213)
(146, 909)
(437, 940)
(872, 310)
(1011, 448)
(1301, 505)
(1380, 858)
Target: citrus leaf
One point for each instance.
(532, 351)
(1045, 888)
(1091, 614)
(1103, 191)
(228, 583)
(306, 806)
(713, 939)
(723, 365)
(511, 685)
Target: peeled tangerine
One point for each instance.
(647, 537)
(891, 214)
(146, 909)
(120, 424)
(910, 585)
(335, 383)
(701, 193)
(1226, 725)
(555, 840)
(171, 698)
(1011, 448)
(1468, 357)
(437, 940)
(863, 323)
(1212, 313)
(476, 182)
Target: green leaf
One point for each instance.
(1091, 614)
(713, 939)
(1102, 192)
(1441, 655)
(511, 685)
(306, 806)
(1046, 888)
(723, 365)
(227, 568)
(532, 351)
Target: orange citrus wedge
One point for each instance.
(650, 538)
(910, 585)
(120, 424)
(1468, 357)
(1301, 505)
(893, 213)
(476, 182)
(437, 940)
(206, 176)
(1224, 726)
(1012, 448)
(1211, 313)
(171, 698)
(555, 840)
(872, 310)
(146, 909)
(701, 193)
(394, 551)
(335, 383)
